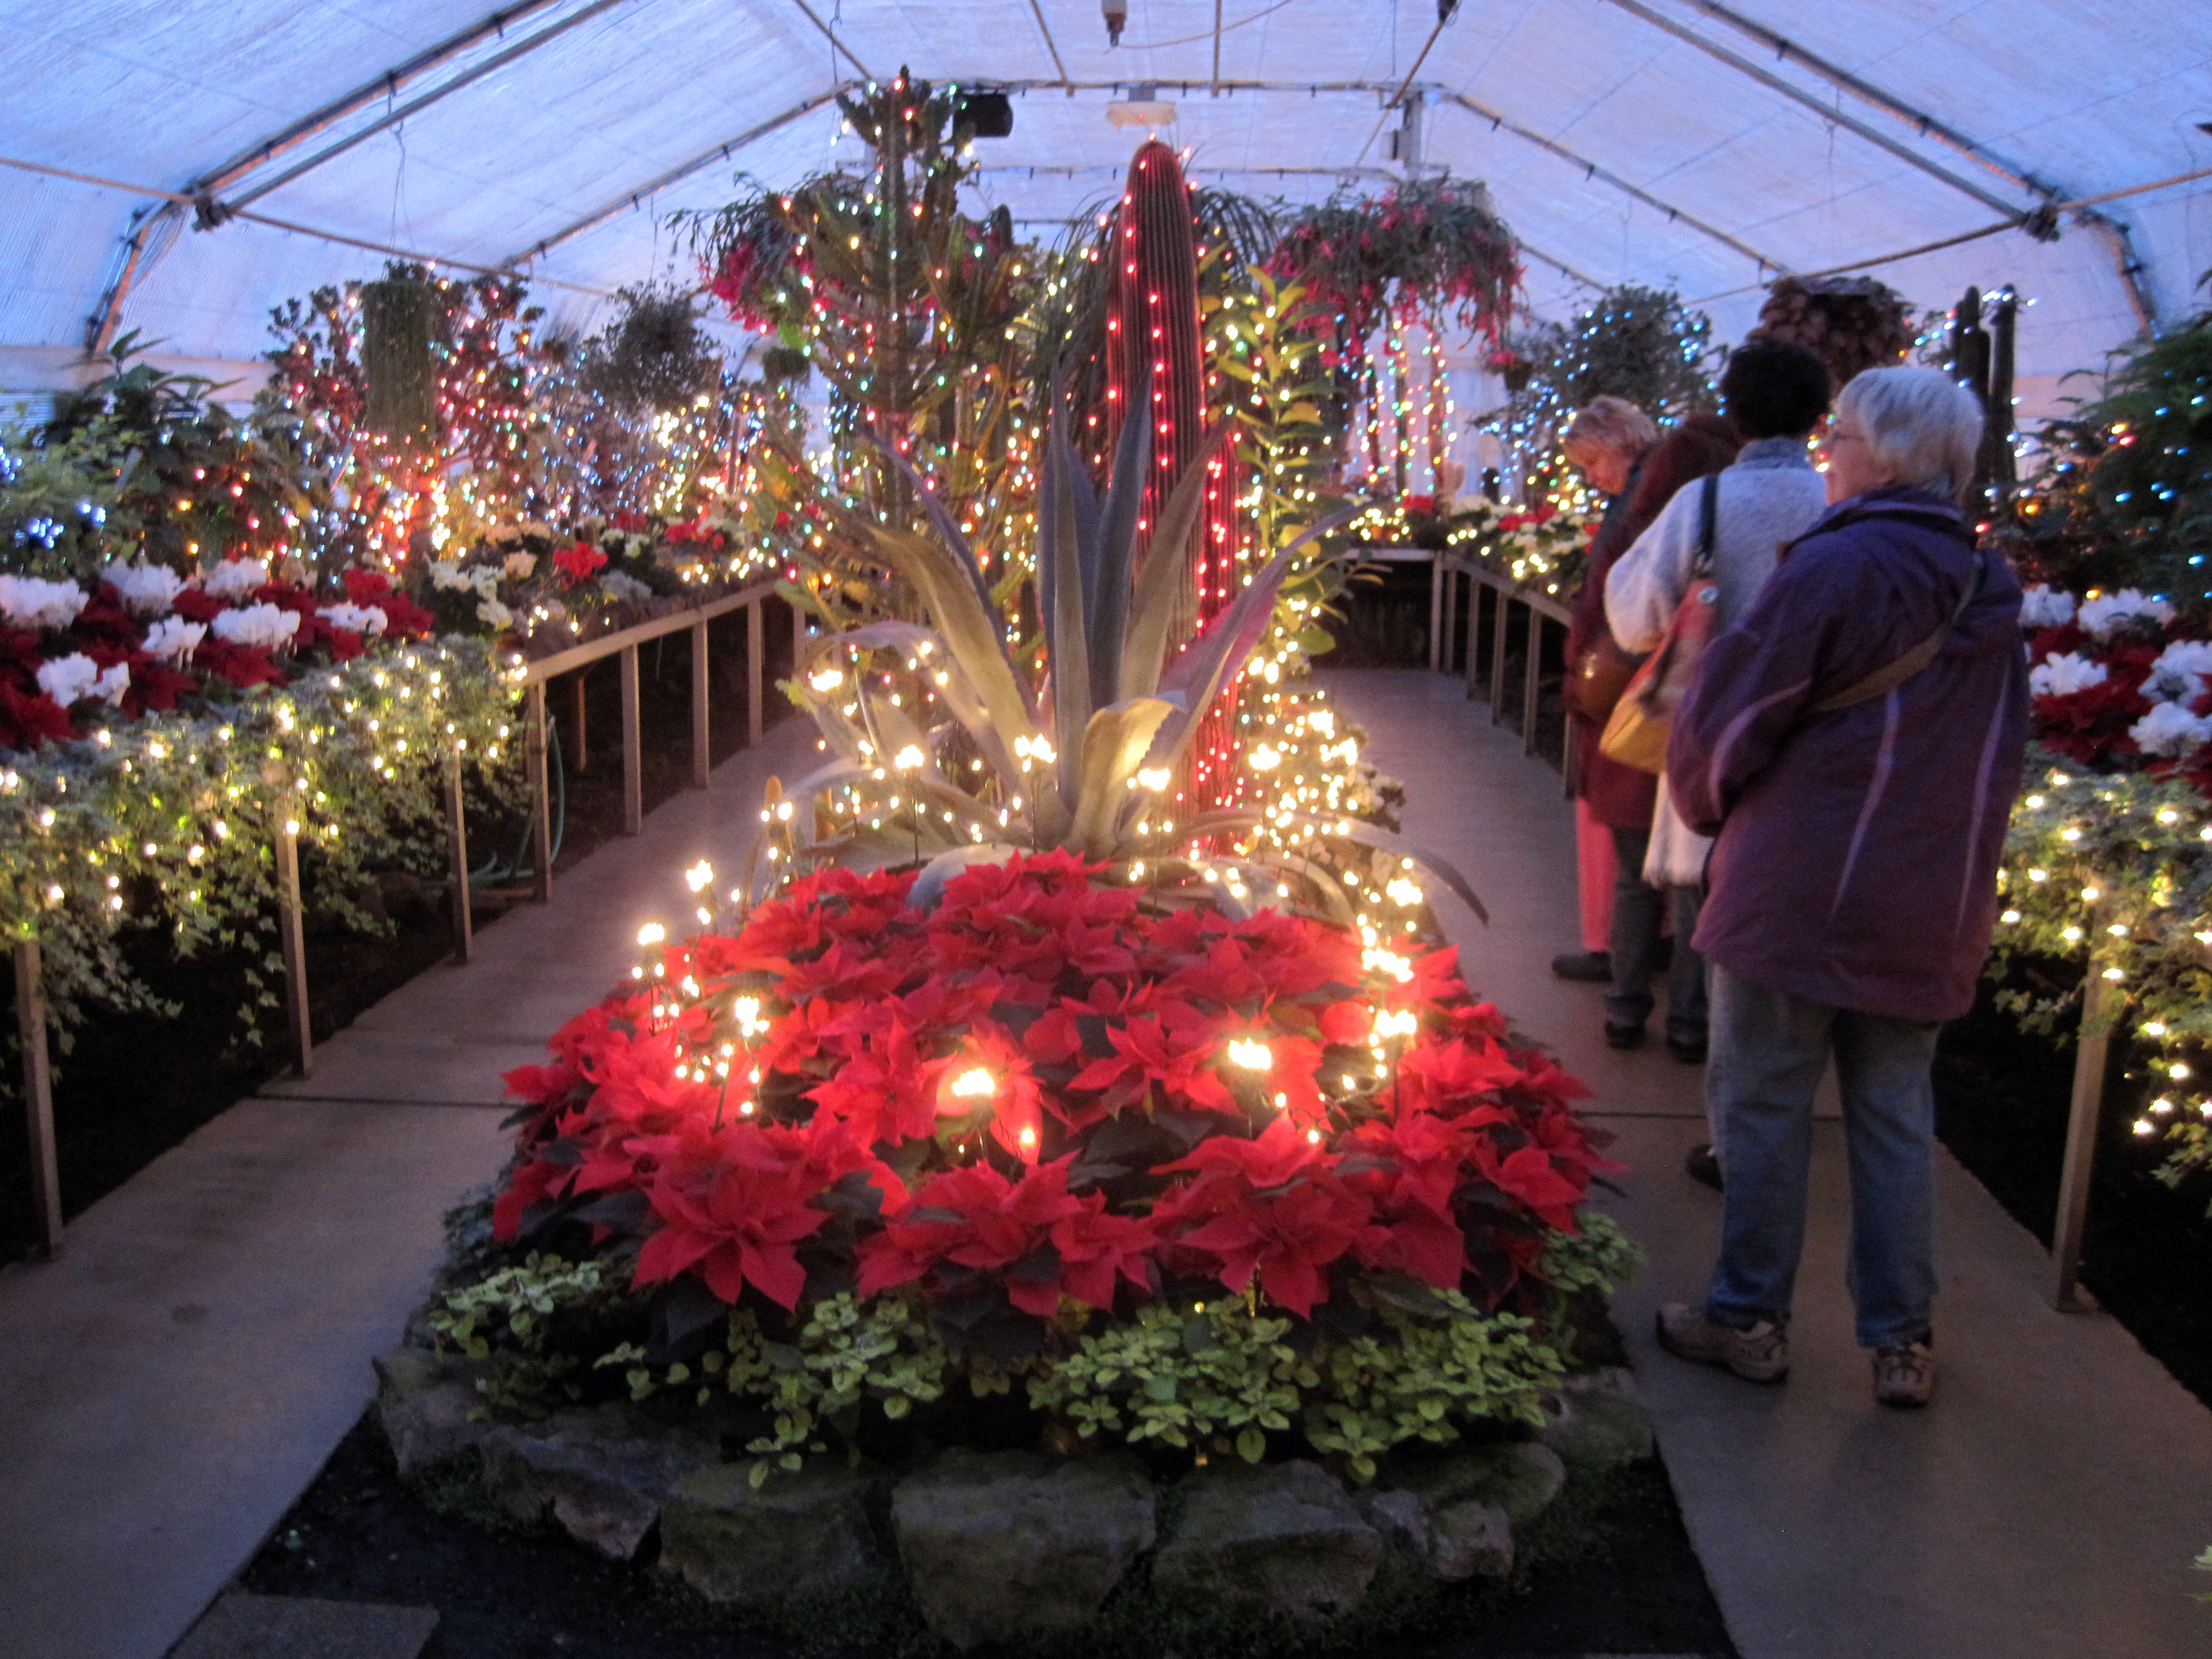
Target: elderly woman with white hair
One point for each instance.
(1853, 741)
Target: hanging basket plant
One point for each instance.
(654, 355)
(1850, 323)
(400, 324)
(1435, 246)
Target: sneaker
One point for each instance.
(1687, 1044)
(1905, 1374)
(1588, 966)
(1759, 1355)
(1702, 1165)
(1619, 1035)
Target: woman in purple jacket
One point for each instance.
(1854, 741)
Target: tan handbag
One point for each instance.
(1644, 718)
(1594, 688)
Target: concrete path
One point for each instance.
(2046, 1506)
(170, 1386)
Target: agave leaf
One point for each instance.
(928, 887)
(1061, 546)
(939, 514)
(1114, 742)
(959, 694)
(842, 735)
(1159, 585)
(896, 731)
(1368, 835)
(1117, 551)
(969, 628)
(1216, 655)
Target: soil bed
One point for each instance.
(1618, 1576)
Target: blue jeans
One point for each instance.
(1634, 944)
(1768, 1050)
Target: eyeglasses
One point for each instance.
(1841, 433)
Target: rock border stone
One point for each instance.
(1012, 1548)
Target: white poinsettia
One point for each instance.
(2182, 670)
(2045, 606)
(2106, 611)
(174, 638)
(494, 614)
(2062, 673)
(146, 589)
(363, 620)
(257, 624)
(2170, 729)
(235, 578)
(35, 603)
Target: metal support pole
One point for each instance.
(1498, 657)
(1529, 681)
(292, 937)
(38, 1097)
(633, 747)
(456, 846)
(541, 792)
(756, 672)
(1567, 760)
(2081, 1118)
(701, 758)
(583, 753)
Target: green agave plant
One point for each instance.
(1078, 755)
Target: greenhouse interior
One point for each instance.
(891, 828)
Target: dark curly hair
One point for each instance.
(1774, 389)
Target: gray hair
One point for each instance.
(1921, 427)
(1613, 424)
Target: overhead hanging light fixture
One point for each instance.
(1117, 19)
(1143, 107)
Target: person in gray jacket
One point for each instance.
(1773, 394)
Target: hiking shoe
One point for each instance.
(1905, 1374)
(1702, 1165)
(1687, 1044)
(1590, 967)
(1620, 1034)
(1759, 1355)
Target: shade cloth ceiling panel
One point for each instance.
(2089, 96)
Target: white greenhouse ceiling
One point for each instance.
(1685, 143)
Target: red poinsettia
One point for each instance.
(577, 563)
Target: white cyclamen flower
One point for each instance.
(146, 589)
(2170, 729)
(112, 683)
(67, 679)
(173, 637)
(2109, 610)
(257, 624)
(234, 578)
(2060, 674)
(36, 604)
(2181, 670)
(2042, 606)
(355, 619)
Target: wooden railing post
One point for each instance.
(583, 751)
(38, 1097)
(1498, 657)
(756, 672)
(292, 938)
(1529, 681)
(541, 792)
(1436, 611)
(457, 849)
(1476, 587)
(702, 753)
(2082, 1115)
(633, 739)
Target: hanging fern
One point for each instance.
(400, 317)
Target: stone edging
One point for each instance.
(1010, 1547)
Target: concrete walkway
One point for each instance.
(2046, 1506)
(171, 1385)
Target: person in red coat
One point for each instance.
(1625, 456)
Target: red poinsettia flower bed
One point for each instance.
(1045, 1088)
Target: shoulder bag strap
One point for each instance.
(1709, 512)
(1891, 674)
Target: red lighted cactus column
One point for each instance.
(1152, 326)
